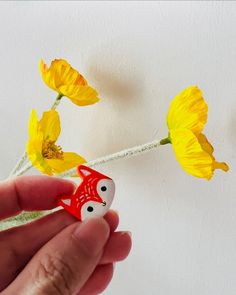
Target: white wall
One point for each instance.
(138, 55)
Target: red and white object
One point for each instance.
(92, 198)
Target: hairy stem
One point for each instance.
(18, 165)
(127, 153)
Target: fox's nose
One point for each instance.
(104, 203)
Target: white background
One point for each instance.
(138, 55)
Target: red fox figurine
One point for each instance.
(92, 198)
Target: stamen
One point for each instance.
(51, 151)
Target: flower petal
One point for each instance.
(206, 146)
(41, 164)
(80, 95)
(60, 73)
(190, 154)
(34, 144)
(221, 165)
(50, 125)
(188, 110)
(34, 153)
(47, 76)
(33, 124)
(70, 160)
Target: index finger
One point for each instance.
(31, 193)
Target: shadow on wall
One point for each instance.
(231, 134)
(117, 86)
(120, 89)
(123, 118)
(232, 124)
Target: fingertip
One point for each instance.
(127, 241)
(64, 186)
(39, 179)
(41, 192)
(112, 218)
(92, 234)
(117, 248)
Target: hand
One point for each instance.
(55, 254)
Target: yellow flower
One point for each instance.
(41, 147)
(61, 77)
(186, 119)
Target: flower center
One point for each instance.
(51, 151)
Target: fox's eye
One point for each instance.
(90, 209)
(106, 190)
(103, 188)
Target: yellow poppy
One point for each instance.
(61, 77)
(186, 118)
(41, 147)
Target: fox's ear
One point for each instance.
(84, 170)
(66, 202)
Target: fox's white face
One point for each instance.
(106, 190)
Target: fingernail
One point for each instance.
(92, 235)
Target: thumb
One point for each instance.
(66, 262)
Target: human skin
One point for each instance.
(55, 254)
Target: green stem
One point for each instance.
(165, 141)
(57, 101)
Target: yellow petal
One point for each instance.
(80, 95)
(188, 110)
(221, 165)
(70, 160)
(41, 164)
(190, 154)
(47, 76)
(34, 145)
(34, 153)
(33, 124)
(60, 73)
(50, 125)
(42, 67)
(68, 75)
(206, 146)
